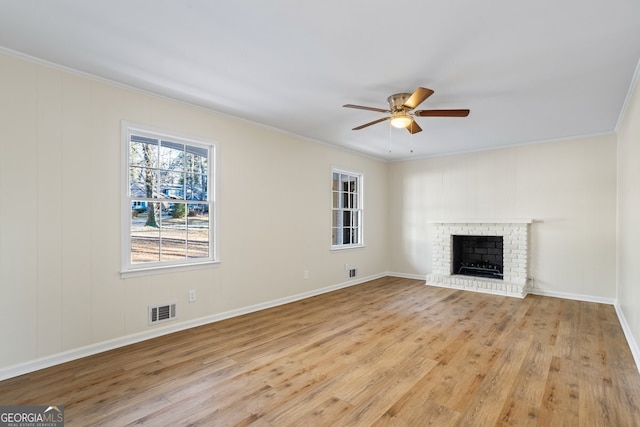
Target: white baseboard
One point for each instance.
(576, 297)
(89, 350)
(633, 345)
(565, 295)
(407, 276)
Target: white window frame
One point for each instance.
(131, 269)
(338, 211)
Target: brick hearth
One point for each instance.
(515, 235)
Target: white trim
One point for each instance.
(89, 350)
(553, 294)
(502, 147)
(633, 345)
(483, 221)
(338, 248)
(167, 269)
(407, 275)
(627, 99)
(575, 297)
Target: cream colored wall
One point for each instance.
(628, 297)
(60, 214)
(568, 187)
(60, 235)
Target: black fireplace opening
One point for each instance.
(479, 256)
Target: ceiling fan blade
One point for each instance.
(414, 128)
(441, 113)
(371, 123)
(418, 97)
(360, 107)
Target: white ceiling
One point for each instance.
(529, 71)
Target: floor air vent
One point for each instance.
(162, 313)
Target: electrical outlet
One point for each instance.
(192, 295)
(305, 274)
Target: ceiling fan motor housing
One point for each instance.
(396, 102)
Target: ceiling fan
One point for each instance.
(401, 106)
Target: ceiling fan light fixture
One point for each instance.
(401, 120)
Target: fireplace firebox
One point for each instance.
(479, 256)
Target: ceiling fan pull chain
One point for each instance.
(411, 143)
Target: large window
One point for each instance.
(346, 215)
(169, 205)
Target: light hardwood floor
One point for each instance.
(388, 352)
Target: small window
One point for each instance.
(169, 206)
(346, 212)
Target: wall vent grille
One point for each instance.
(162, 313)
(352, 272)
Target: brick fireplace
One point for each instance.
(503, 277)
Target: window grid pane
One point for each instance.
(145, 238)
(346, 209)
(163, 176)
(171, 156)
(174, 233)
(197, 231)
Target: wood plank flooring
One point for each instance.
(390, 352)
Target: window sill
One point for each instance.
(166, 269)
(344, 247)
